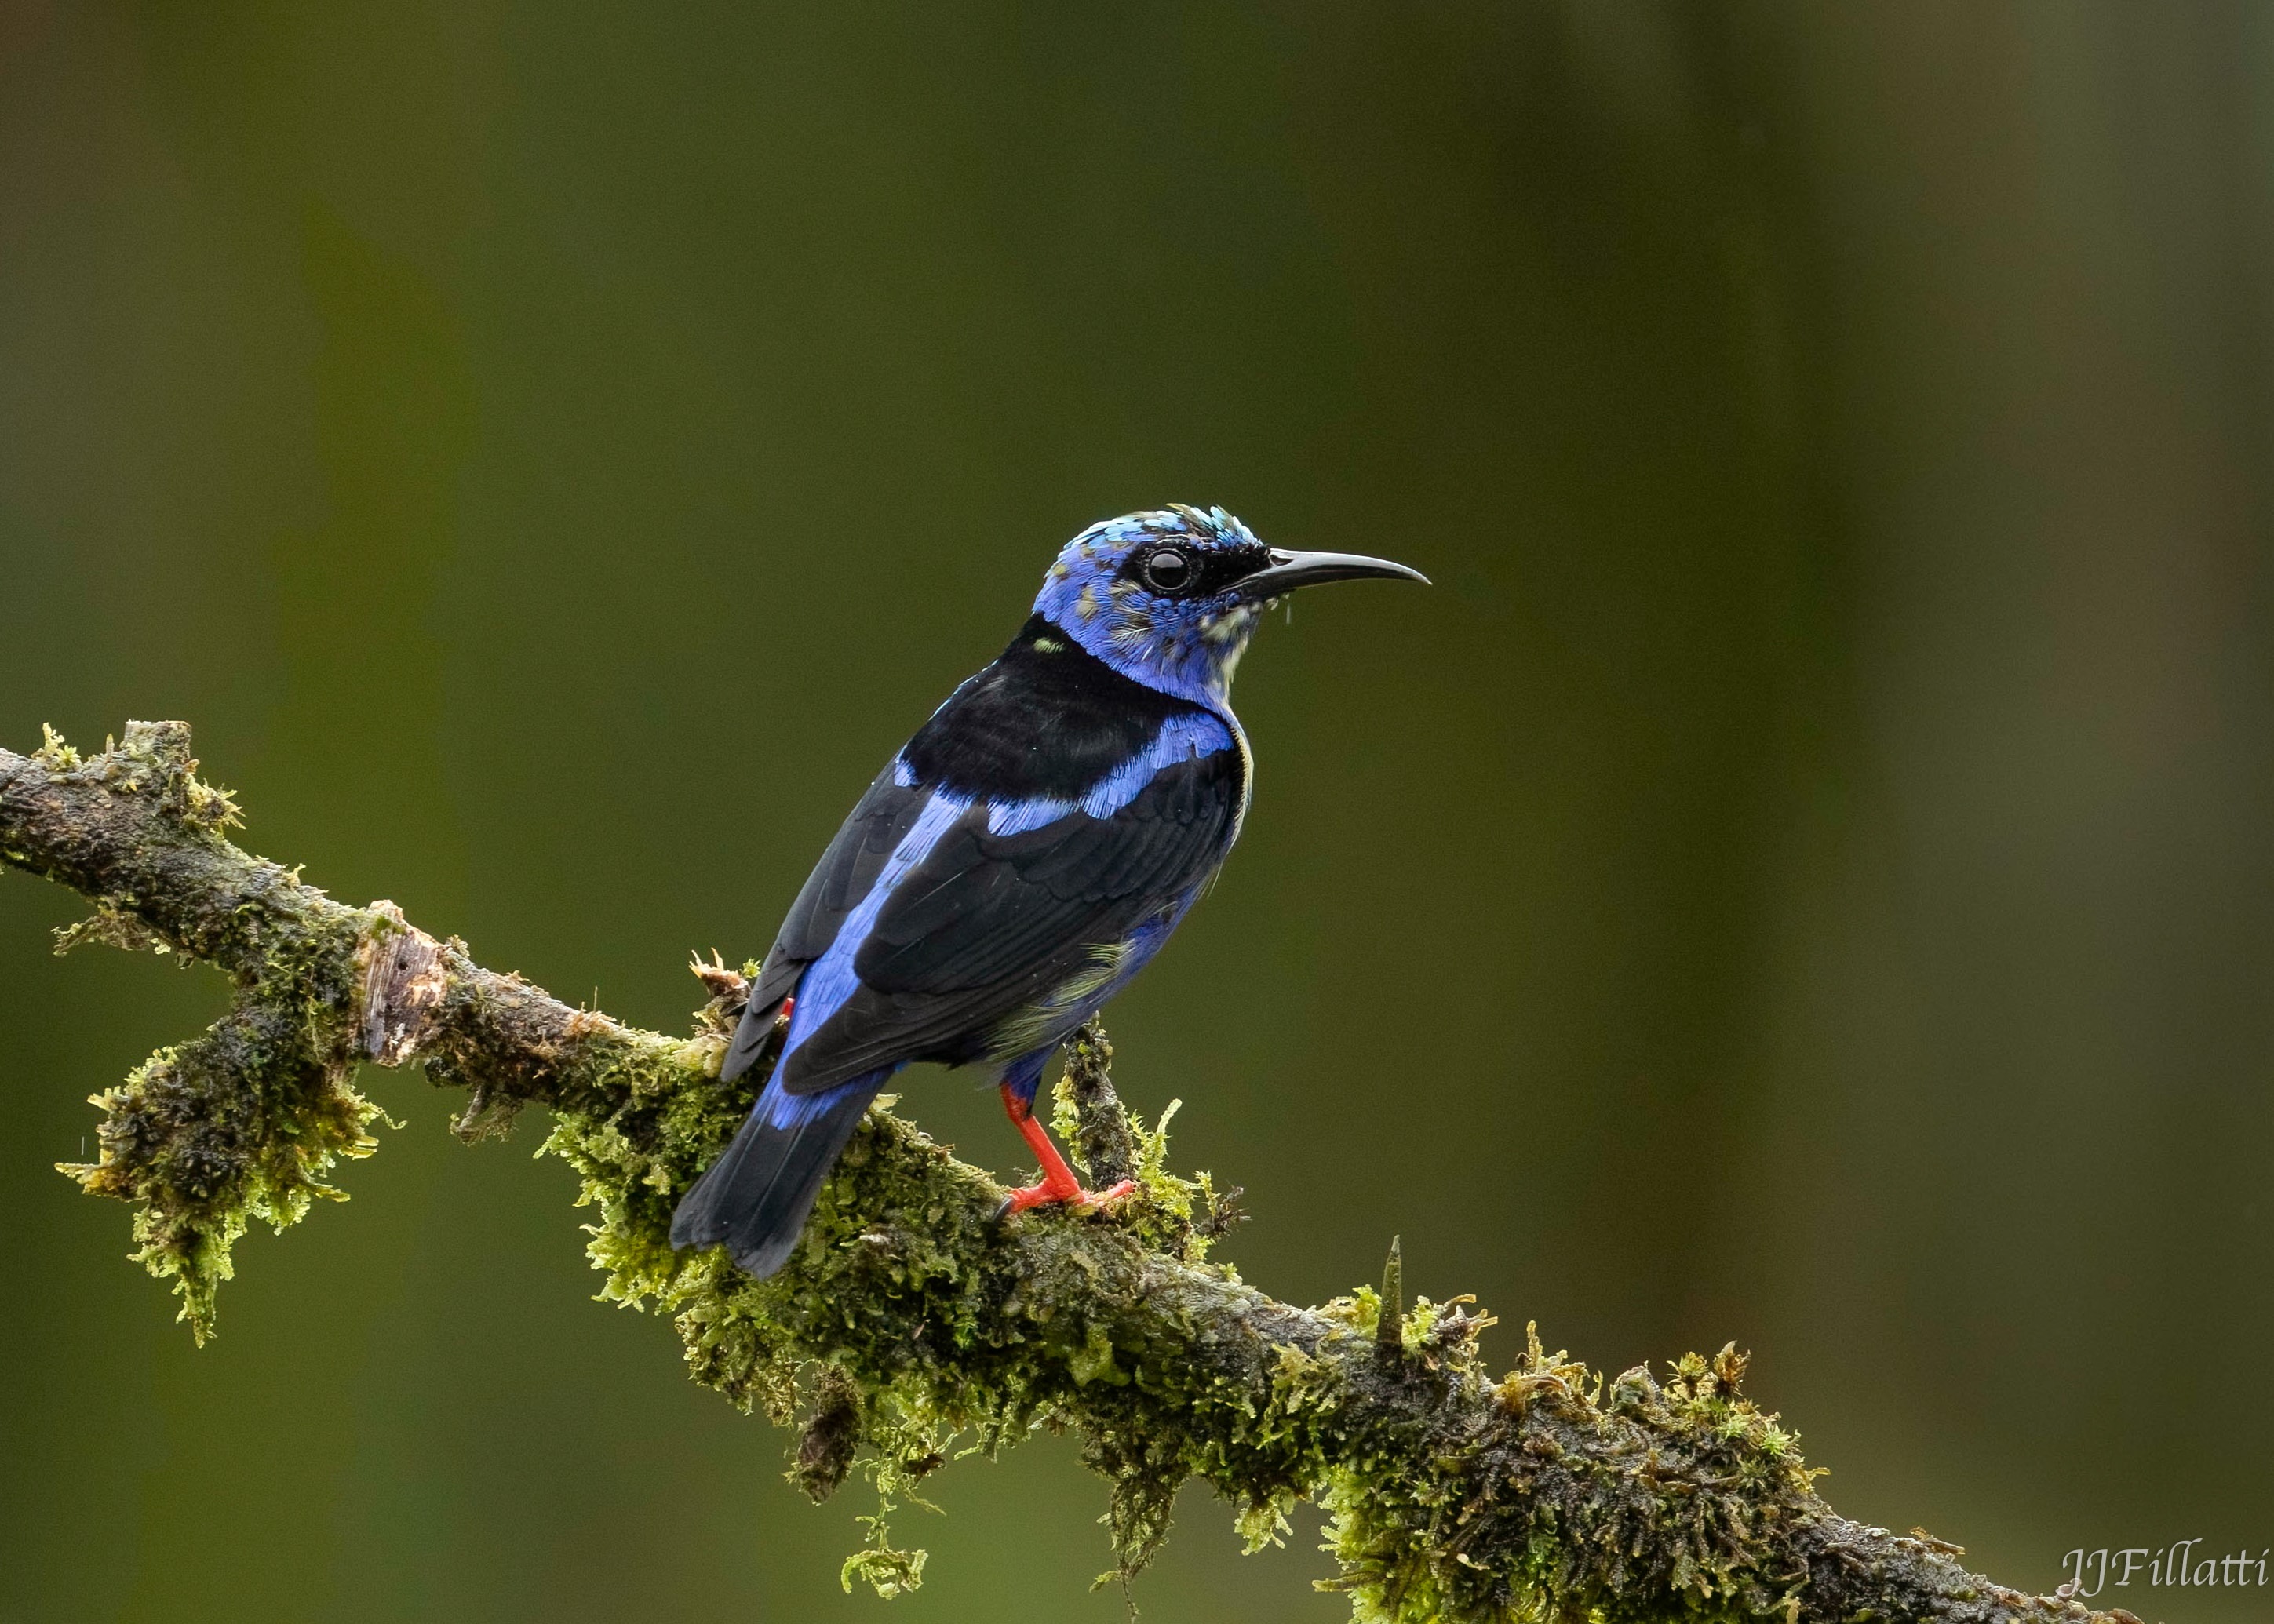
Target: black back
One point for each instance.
(987, 923)
(1047, 718)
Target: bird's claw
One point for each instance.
(1046, 1194)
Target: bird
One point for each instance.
(1022, 857)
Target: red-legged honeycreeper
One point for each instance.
(1020, 860)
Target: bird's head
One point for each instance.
(1170, 598)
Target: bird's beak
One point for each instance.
(1289, 570)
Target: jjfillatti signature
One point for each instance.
(2170, 1566)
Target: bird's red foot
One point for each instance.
(1059, 1186)
(1046, 1194)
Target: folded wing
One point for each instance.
(981, 926)
(846, 874)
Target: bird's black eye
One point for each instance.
(1168, 569)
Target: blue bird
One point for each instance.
(1024, 856)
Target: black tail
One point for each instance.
(757, 1196)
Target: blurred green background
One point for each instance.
(1803, 876)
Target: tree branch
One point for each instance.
(907, 1317)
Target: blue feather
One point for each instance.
(831, 979)
(1180, 738)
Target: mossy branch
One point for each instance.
(908, 1322)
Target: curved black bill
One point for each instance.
(1289, 570)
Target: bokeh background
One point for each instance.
(1802, 875)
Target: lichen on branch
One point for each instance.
(909, 1327)
(241, 1123)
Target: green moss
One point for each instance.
(903, 1293)
(54, 754)
(237, 1125)
(1176, 1216)
(113, 926)
(241, 1123)
(910, 1327)
(1640, 1503)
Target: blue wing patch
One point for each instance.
(1186, 737)
(831, 979)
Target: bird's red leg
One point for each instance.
(1058, 1183)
